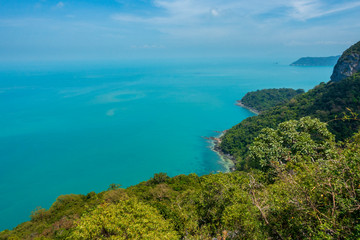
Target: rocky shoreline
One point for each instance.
(239, 103)
(227, 160)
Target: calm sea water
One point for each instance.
(78, 127)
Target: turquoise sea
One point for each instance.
(78, 127)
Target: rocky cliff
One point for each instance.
(348, 64)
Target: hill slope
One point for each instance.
(325, 101)
(264, 99)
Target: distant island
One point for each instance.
(316, 61)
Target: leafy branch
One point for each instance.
(347, 116)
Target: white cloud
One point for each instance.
(303, 9)
(214, 13)
(237, 20)
(308, 9)
(188, 25)
(178, 12)
(60, 5)
(185, 11)
(183, 8)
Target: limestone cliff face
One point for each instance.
(348, 64)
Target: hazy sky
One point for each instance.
(120, 29)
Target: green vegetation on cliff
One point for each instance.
(325, 101)
(261, 100)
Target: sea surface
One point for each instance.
(77, 127)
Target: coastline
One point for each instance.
(227, 160)
(239, 103)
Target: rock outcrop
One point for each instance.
(348, 63)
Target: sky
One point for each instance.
(41, 30)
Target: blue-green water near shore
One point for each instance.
(78, 127)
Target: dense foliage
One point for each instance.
(308, 188)
(326, 102)
(261, 100)
(303, 140)
(128, 219)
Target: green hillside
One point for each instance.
(326, 102)
(264, 99)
